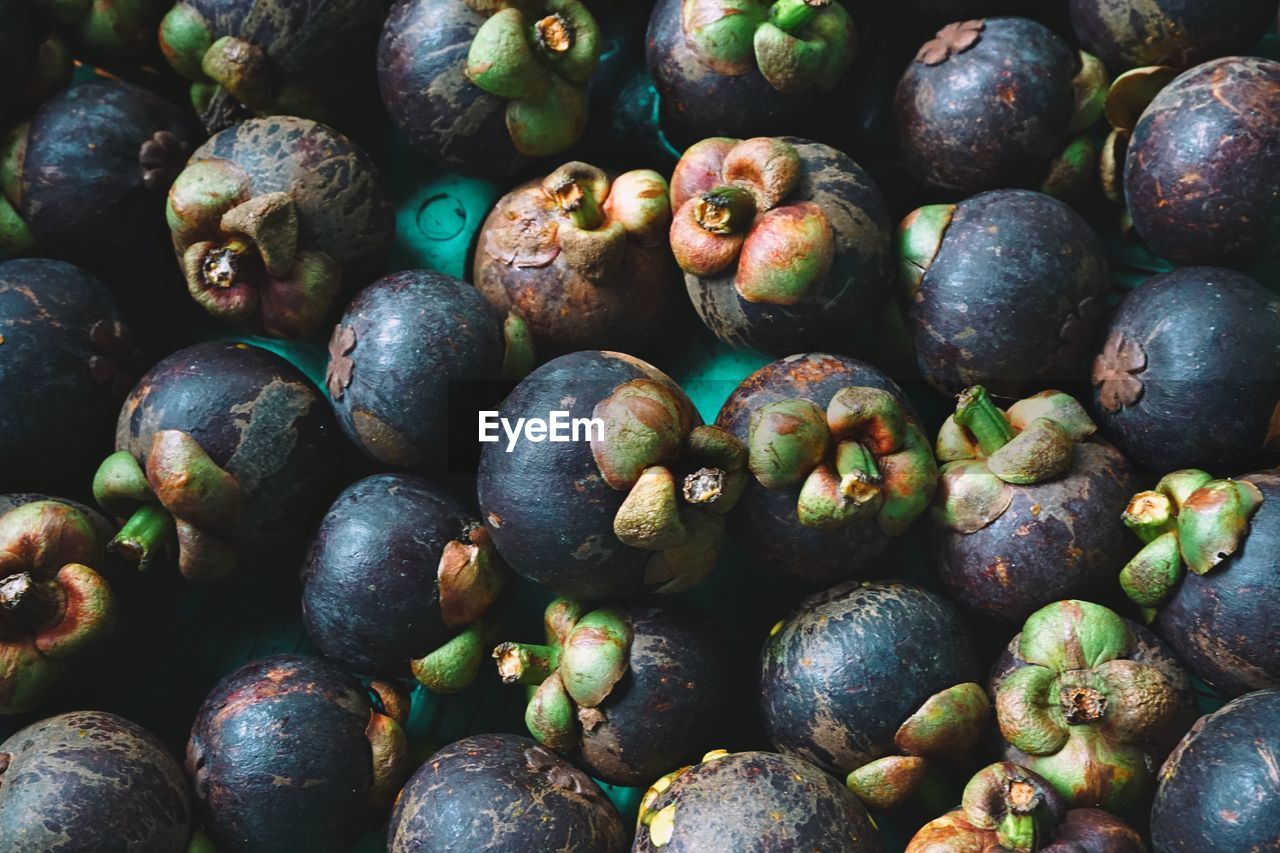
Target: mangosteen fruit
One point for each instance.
(91, 780)
(838, 464)
(1000, 102)
(747, 67)
(397, 581)
(1021, 259)
(631, 496)
(274, 220)
(1202, 171)
(1207, 573)
(784, 243)
(403, 355)
(1008, 808)
(1189, 376)
(1218, 789)
(481, 86)
(1026, 505)
(249, 58)
(752, 801)
(289, 753)
(106, 34)
(631, 692)
(34, 62)
(873, 682)
(66, 361)
(503, 793)
(223, 452)
(582, 255)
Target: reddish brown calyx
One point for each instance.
(161, 158)
(1117, 373)
(951, 40)
(469, 575)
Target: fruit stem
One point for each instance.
(1150, 515)
(976, 412)
(791, 15)
(725, 210)
(704, 486)
(145, 533)
(553, 35)
(580, 204)
(526, 663)
(25, 601)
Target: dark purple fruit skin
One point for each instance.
(762, 801)
(1218, 790)
(1211, 339)
(764, 521)
(1124, 35)
(549, 511)
(1094, 831)
(481, 794)
(416, 333)
(844, 299)
(422, 57)
(852, 663)
(1202, 172)
(1057, 539)
(58, 389)
(992, 116)
(85, 195)
(257, 416)
(90, 781)
(284, 717)
(370, 595)
(1029, 274)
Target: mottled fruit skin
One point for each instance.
(994, 115)
(65, 362)
(89, 781)
(760, 801)
(848, 668)
(1202, 172)
(1014, 298)
(1218, 789)
(1201, 380)
(279, 758)
(394, 356)
(502, 794)
(1180, 33)
(258, 417)
(765, 520)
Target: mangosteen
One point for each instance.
(838, 464)
(1207, 573)
(223, 451)
(1202, 172)
(66, 361)
(630, 491)
(752, 801)
(406, 352)
(33, 61)
(274, 220)
(503, 794)
(1006, 289)
(582, 256)
(631, 692)
(86, 177)
(1008, 808)
(1027, 503)
(784, 243)
(91, 781)
(873, 682)
(1083, 703)
(482, 86)
(106, 34)
(289, 753)
(1000, 102)
(261, 57)
(1190, 372)
(745, 67)
(1218, 789)
(397, 581)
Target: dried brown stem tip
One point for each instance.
(1022, 796)
(221, 266)
(554, 34)
(1082, 705)
(704, 486)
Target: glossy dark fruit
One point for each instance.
(66, 360)
(1209, 134)
(1021, 259)
(1217, 790)
(753, 801)
(502, 793)
(280, 756)
(91, 780)
(1180, 33)
(1189, 376)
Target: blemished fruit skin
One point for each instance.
(1181, 33)
(1218, 789)
(89, 780)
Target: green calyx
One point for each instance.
(1073, 171)
(16, 238)
(1006, 798)
(918, 239)
(888, 782)
(455, 665)
(113, 31)
(227, 64)
(518, 354)
(469, 576)
(725, 210)
(1090, 86)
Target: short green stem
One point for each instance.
(147, 532)
(977, 413)
(791, 15)
(526, 663)
(580, 205)
(725, 210)
(1150, 515)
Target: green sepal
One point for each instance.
(26, 677)
(1150, 515)
(596, 656)
(645, 424)
(717, 448)
(1213, 521)
(518, 354)
(243, 69)
(270, 222)
(1017, 832)
(1131, 92)
(120, 485)
(649, 517)
(1180, 485)
(786, 439)
(789, 64)
(828, 501)
(501, 60)
(16, 238)
(888, 782)
(1141, 703)
(834, 28)
(190, 484)
(686, 565)
(1153, 574)
(549, 122)
(185, 37)
(88, 613)
(550, 715)
(1091, 85)
(149, 531)
(1028, 710)
(969, 496)
(1040, 452)
(1091, 769)
(1073, 171)
(947, 724)
(909, 479)
(872, 415)
(454, 665)
(725, 43)
(560, 617)
(1074, 634)
(955, 443)
(917, 242)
